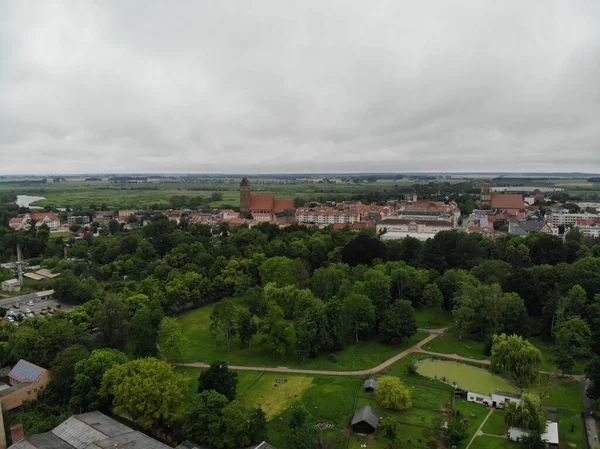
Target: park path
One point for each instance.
(479, 432)
(417, 348)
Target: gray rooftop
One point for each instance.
(366, 414)
(24, 371)
(92, 430)
(507, 394)
(371, 383)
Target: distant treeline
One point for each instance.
(597, 179)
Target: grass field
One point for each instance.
(450, 345)
(495, 424)
(488, 442)
(466, 377)
(204, 347)
(439, 318)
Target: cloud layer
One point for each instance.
(310, 86)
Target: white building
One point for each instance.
(560, 218)
(78, 219)
(479, 398)
(550, 435)
(401, 227)
(326, 216)
(11, 285)
(499, 398)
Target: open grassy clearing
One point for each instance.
(439, 318)
(450, 345)
(465, 376)
(495, 424)
(205, 348)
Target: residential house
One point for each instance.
(78, 219)
(40, 218)
(499, 398)
(524, 227)
(365, 421)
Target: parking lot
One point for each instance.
(33, 304)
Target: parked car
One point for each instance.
(27, 310)
(11, 319)
(29, 303)
(43, 312)
(52, 311)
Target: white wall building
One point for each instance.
(11, 285)
(559, 218)
(550, 435)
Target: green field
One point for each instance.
(474, 414)
(548, 357)
(450, 345)
(439, 318)
(203, 347)
(466, 377)
(495, 424)
(488, 442)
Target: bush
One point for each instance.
(411, 368)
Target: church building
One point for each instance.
(262, 206)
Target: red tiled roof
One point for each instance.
(507, 201)
(262, 201)
(16, 220)
(237, 221)
(281, 205)
(41, 215)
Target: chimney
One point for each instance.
(17, 432)
(20, 264)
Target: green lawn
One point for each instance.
(487, 442)
(450, 345)
(495, 424)
(439, 318)
(472, 412)
(465, 376)
(204, 347)
(55, 235)
(565, 395)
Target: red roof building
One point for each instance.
(262, 206)
(510, 202)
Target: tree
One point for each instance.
(299, 435)
(88, 378)
(456, 431)
(144, 329)
(573, 340)
(40, 340)
(243, 426)
(516, 357)
(527, 414)
(218, 377)
(284, 271)
(246, 326)
(363, 250)
(463, 313)
(203, 419)
(593, 374)
(392, 394)
(148, 390)
(223, 321)
(63, 368)
(533, 440)
(112, 324)
(171, 339)
(273, 328)
(398, 323)
(433, 299)
(358, 314)
(311, 329)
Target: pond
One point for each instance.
(467, 377)
(26, 200)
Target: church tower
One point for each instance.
(245, 196)
(486, 194)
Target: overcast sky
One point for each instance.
(299, 86)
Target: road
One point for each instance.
(590, 422)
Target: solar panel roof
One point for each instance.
(24, 371)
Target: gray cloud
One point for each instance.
(317, 86)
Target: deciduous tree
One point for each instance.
(516, 357)
(171, 339)
(148, 390)
(358, 314)
(392, 394)
(223, 321)
(398, 322)
(528, 414)
(220, 378)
